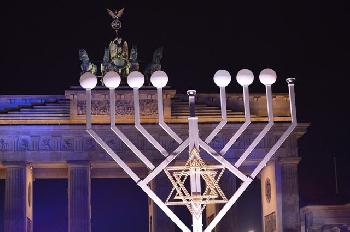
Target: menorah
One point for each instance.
(198, 171)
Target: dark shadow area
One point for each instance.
(118, 205)
(249, 208)
(50, 205)
(2, 204)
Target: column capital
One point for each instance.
(15, 164)
(289, 160)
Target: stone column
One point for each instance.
(290, 194)
(79, 194)
(230, 221)
(280, 196)
(18, 212)
(158, 220)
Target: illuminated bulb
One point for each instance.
(135, 79)
(88, 80)
(111, 80)
(222, 78)
(267, 76)
(245, 77)
(159, 79)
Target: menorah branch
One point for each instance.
(141, 129)
(161, 121)
(263, 133)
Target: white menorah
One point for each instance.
(196, 198)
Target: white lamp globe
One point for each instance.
(159, 79)
(111, 80)
(245, 77)
(135, 79)
(267, 76)
(88, 80)
(222, 78)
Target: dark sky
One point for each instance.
(308, 40)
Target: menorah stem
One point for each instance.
(160, 105)
(223, 103)
(195, 178)
(112, 106)
(136, 106)
(269, 102)
(191, 102)
(88, 109)
(292, 106)
(246, 103)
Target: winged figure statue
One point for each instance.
(116, 13)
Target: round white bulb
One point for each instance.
(88, 80)
(222, 78)
(111, 79)
(159, 79)
(267, 76)
(245, 77)
(135, 79)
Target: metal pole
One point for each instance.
(88, 109)
(112, 106)
(336, 175)
(195, 178)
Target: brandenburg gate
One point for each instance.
(43, 137)
(142, 133)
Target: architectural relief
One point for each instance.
(24, 143)
(123, 107)
(82, 143)
(270, 223)
(4, 146)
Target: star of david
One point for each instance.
(211, 175)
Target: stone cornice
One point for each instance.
(75, 98)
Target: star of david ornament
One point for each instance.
(199, 172)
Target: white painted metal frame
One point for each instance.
(193, 141)
(161, 121)
(125, 167)
(244, 126)
(223, 121)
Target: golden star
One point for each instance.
(210, 174)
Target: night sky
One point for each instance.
(307, 40)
